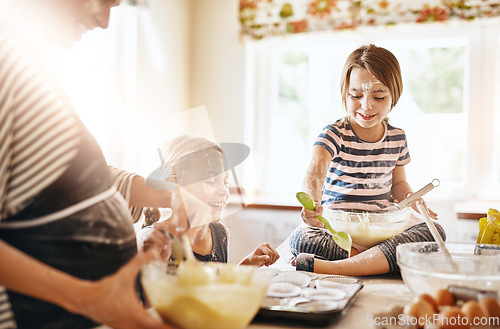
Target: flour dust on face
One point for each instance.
(213, 191)
(368, 103)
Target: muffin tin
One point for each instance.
(315, 298)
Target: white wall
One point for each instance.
(163, 76)
(217, 67)
(250, 227)
(198, 60)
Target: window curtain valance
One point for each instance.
(264, 18)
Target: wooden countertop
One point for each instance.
(379, 295)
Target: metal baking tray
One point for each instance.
(316, 301)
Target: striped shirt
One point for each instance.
(39, 137)
(360, 173)
(39, 134)
(6, 315)
(123, 183)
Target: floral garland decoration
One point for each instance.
(266, 18)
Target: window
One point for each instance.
(493, 89)
(104, 90)
(451, 82)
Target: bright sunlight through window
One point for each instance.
(448, 100)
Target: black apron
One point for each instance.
(88, 242)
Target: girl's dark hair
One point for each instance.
(151, 216)
(380, 63)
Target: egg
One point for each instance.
(429, 299)
(451, 317)
(421, 310)
(412, 309)
(444, 298)
(491, 309)
(474, 313)
(426, 309)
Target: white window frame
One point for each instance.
(481, 181)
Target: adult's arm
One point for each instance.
(138, 194)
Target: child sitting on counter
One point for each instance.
(358, 163)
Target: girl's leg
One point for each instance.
(416, 233)
(316, 241)
(376, 260)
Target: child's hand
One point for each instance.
(152, 237)
(309, 217)
(263, 255)
(421, 201)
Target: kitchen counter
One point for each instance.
(379, 295)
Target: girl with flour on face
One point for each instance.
(358, 164)
(198, 165)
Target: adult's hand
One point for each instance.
(113, 300)
(155, 236)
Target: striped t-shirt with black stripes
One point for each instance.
(359, 176)
(39, 135)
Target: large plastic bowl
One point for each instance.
(368, 228)
(425, 269)
(209, 296)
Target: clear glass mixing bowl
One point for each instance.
(205, 295)
(369, 228)
(425, 269)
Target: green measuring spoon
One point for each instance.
(342, 239)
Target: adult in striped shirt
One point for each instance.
(358, 164)
(68, 253)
